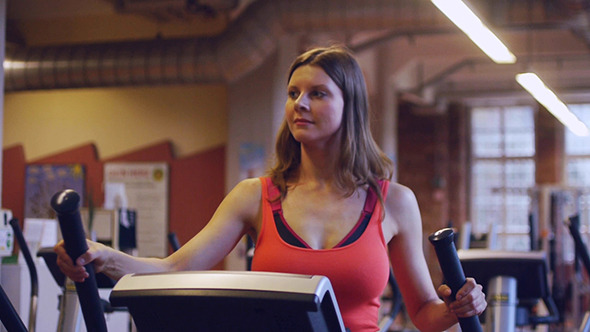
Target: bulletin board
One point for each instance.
(142, 187)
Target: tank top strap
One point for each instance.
(384, 187)
(372, 198)
(274, 195)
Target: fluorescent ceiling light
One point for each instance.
(8, 64)
(474, 28)
(535, 86)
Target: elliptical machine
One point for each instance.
(310, 297)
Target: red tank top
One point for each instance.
(358, 271)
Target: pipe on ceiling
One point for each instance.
(243, 47)
(167, 10)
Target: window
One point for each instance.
(577, 150)
(577, 165)
(503, 172)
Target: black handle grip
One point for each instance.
(8, 315)
(444, 245)
(67, 206)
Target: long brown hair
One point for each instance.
(360, 162)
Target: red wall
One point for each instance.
(197, 182)
(13, 180)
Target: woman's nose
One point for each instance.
(302, 103)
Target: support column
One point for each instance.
(385, 108)
(255, 110)
(458, 164)
(2, 53)
(550, 148)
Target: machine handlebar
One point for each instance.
(444, 245)
(67, 207)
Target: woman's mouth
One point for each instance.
(301, 121)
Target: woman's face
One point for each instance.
(314, 107)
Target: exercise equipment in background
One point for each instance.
(514, 283)
(8, 314)
(24, 248)
(581, 253)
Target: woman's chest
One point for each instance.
(322, 221)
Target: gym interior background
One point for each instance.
(200, 85)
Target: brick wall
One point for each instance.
(433, 162)
(550, 148)
(423, 162)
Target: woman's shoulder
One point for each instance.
(244, 199)
(402, 211)
(400, 197)
(399, 191)
(250, 187)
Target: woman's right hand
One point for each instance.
(76, 271)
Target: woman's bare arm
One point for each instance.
(425, 308)
(234, 217)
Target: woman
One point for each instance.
(327, 208)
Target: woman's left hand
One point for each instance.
(469, 300)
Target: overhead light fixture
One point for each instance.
(476, 30)
(8, 64)
(543, 94)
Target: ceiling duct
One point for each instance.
(166, 10)
(245, 45)
(145, 5)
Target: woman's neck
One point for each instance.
(317, 165)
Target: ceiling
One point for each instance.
(55, 22)
(73, 43)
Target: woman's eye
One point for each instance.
(318, 94)
(292, 94)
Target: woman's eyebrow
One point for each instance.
(324, 86)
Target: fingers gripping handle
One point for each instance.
(448, 259)
(450, 265)
(67, 207)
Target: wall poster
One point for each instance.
(141, 187)
(45, 180)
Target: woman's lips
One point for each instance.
(301, 121)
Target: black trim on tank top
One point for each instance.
(287, 235)
(357, 232)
